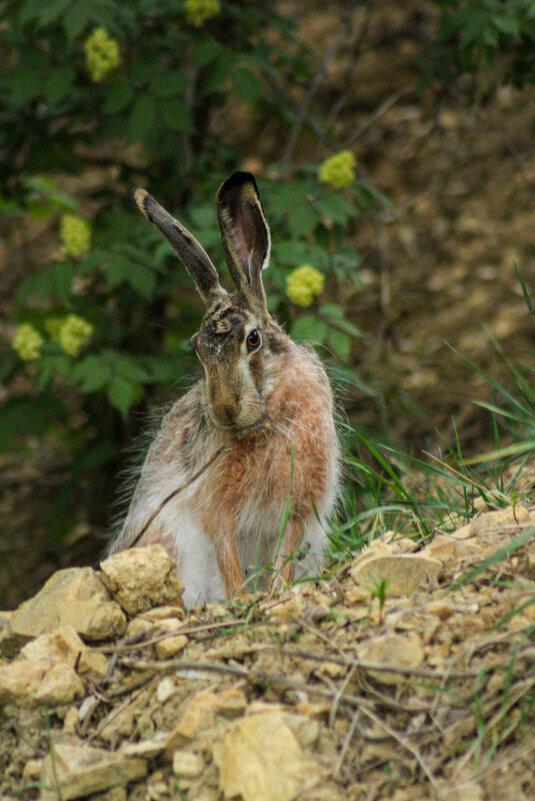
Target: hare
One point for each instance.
(252, 446)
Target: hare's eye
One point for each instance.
(253, 340)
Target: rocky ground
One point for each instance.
(407, 674)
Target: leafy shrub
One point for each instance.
(477, 36)
(150, 87)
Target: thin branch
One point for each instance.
(390, 101)
(315, 83)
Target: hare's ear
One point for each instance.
(245, 234)
(194, 256)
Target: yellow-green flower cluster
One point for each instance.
(73, 333)
(338, 170)
(304, 284)
(198, 11)
(27, 342)
(102, 54)
(75, 235)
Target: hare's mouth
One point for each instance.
(230, 421)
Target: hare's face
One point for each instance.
(230, 347)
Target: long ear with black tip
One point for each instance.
(245, 234)
(194, 256)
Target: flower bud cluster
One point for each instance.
(75, 235)
(198, 11)
(27, 342)
(304, 284)
(102, 54)
(338, 170)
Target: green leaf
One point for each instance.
(126, 366)
(121, 269)
(25, 85)
(339, 343)
(302, 218)
(119, 96)
(93, 373)
(169, 85)
(308, 328)
(176, 116)
(25, 416)
(123, 394)
(335, 206)
(58, 84)
(77, 17)
(205, 51)
(141, 118)
(247, 85)
(54, 280)
(51, 10)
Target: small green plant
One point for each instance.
(380, 593)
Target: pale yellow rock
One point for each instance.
(405, 573)
(445, 547)
(32, 770)
(139, 625)
(397, 650)
(232, 703)
(197, 714)
(400, 543)
(164, 613)
(170, 646)
(463, 533)
(64, 645)
(375, 548)
(187, 765)
(504, 519)
(61, 645)
(165, 690)
(142, 578)
(34, 683)
(71, 721)
(440, 607)
(260, 759)
(146, 748)
(170, 625)
(290, 609)
(73, 597)
(93, 663)
(77, 770)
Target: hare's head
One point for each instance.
(237, 335)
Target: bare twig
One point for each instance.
(387, 104)
(315, 83)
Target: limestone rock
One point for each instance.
(64, 646)
(146, 748)
(73, 597)
(142, 578)
(400, 650)
(187, 765)
(502, 520)
(259, 759)
(170, 646)
(197, 714)
(405, 573)
(34, 683)
(75, 770)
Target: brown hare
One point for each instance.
(260, 421)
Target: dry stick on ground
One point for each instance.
(317, 80)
